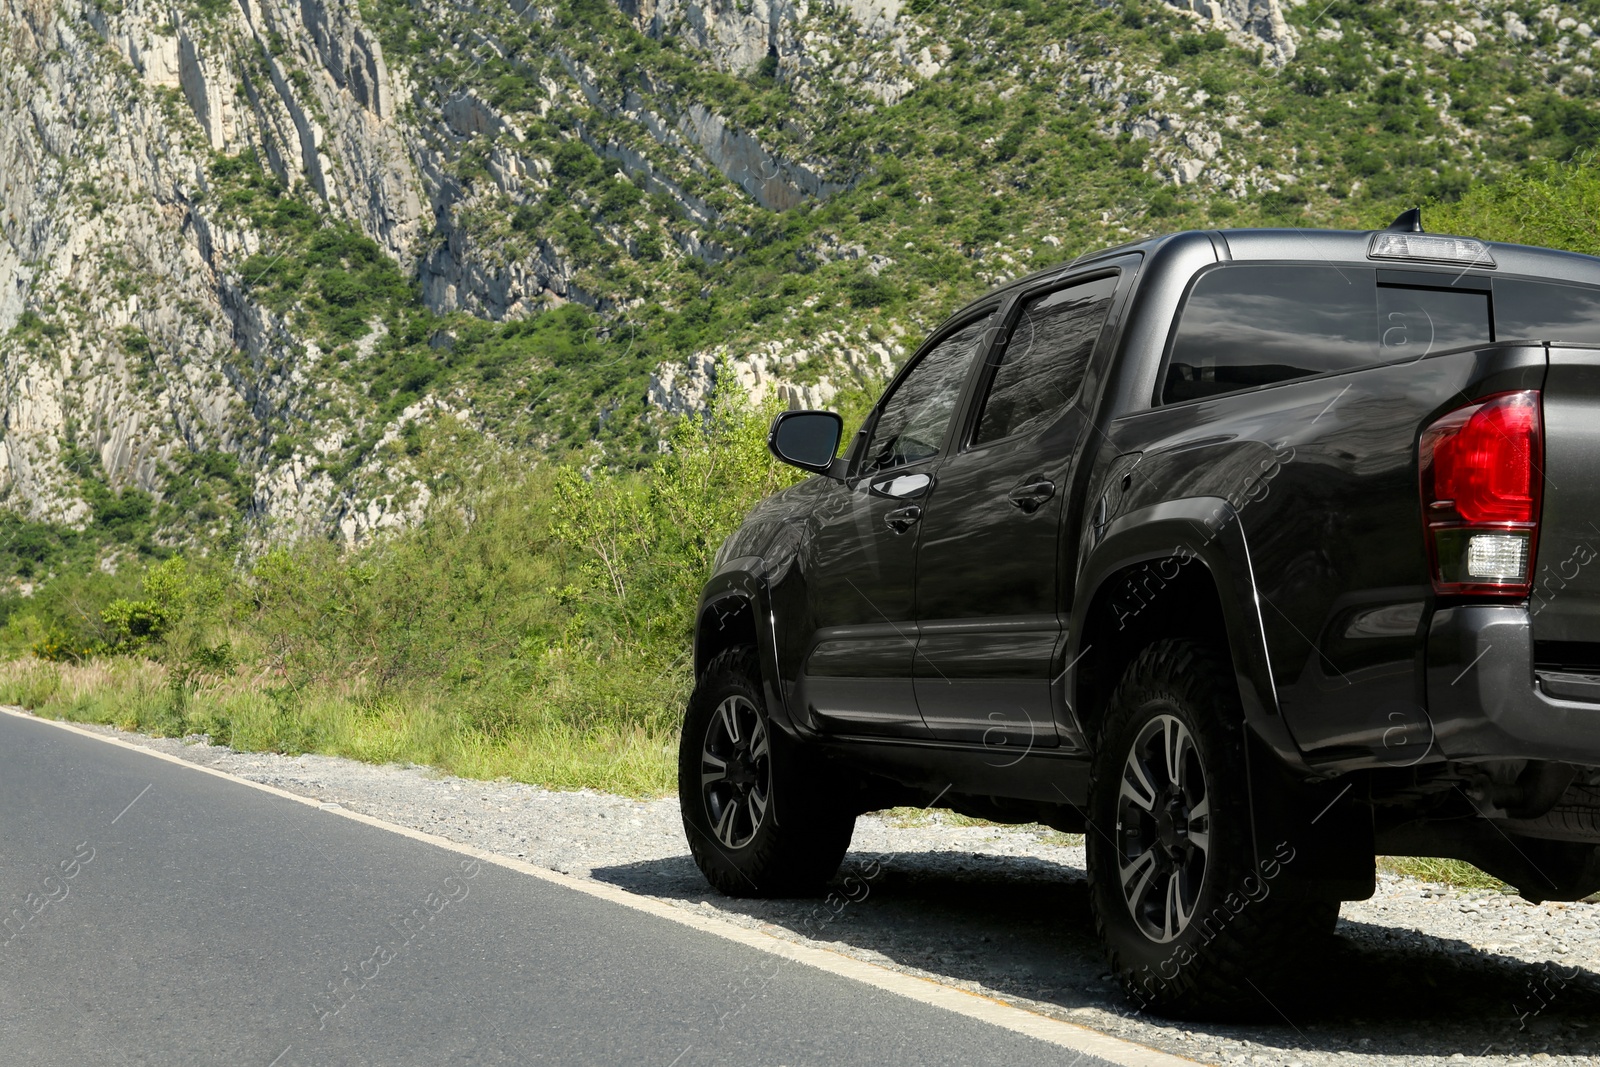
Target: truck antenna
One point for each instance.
(1409, 221)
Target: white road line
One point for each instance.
(922, 990)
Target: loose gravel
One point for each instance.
(1420, 974)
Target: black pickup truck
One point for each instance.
(1250, 555)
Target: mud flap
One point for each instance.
(1313, 840)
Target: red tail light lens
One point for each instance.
(1482, 470)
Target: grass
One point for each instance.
(251, 715)
(1456, 873)
(908, 818)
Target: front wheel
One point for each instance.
(758, 825)
(1181, 900)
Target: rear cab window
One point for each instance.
(1246, 325)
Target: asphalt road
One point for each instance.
(152, 914)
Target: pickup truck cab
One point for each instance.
(1249, 554)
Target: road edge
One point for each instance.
(1073, 1036)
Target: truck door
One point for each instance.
(857, 674)
(988, 571)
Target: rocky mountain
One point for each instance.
(269, 267)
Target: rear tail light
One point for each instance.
(1482, 470)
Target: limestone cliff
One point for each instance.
(129, 331)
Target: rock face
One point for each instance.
(770, 370)
(654, 138)
(1253, 22)
(799, 37)
(127, 332)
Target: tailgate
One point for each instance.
(1565, 605)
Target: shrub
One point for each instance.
(1551, 204)
(871, 290)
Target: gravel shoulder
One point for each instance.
(1419, 974)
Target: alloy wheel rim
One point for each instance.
(736, 772)
(1163, 828)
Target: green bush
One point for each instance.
(1555, 205)
(870, 291)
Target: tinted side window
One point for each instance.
(1256, 324)
(1546, 311)
(914, 418)
(1043, 363)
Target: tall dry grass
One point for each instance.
(249, 713)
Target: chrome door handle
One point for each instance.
(1032, 496)
(903, 486)
(902, 519)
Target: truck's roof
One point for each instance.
(1351, 246)
(1343, 246)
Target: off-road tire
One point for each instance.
(1241, 943)
(803, 832)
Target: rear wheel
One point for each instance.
(758, 824)
(1187, 915)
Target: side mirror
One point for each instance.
(806, 439)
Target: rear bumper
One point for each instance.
(1485, 701)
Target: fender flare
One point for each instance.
(1208, 530)
(741, 584)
